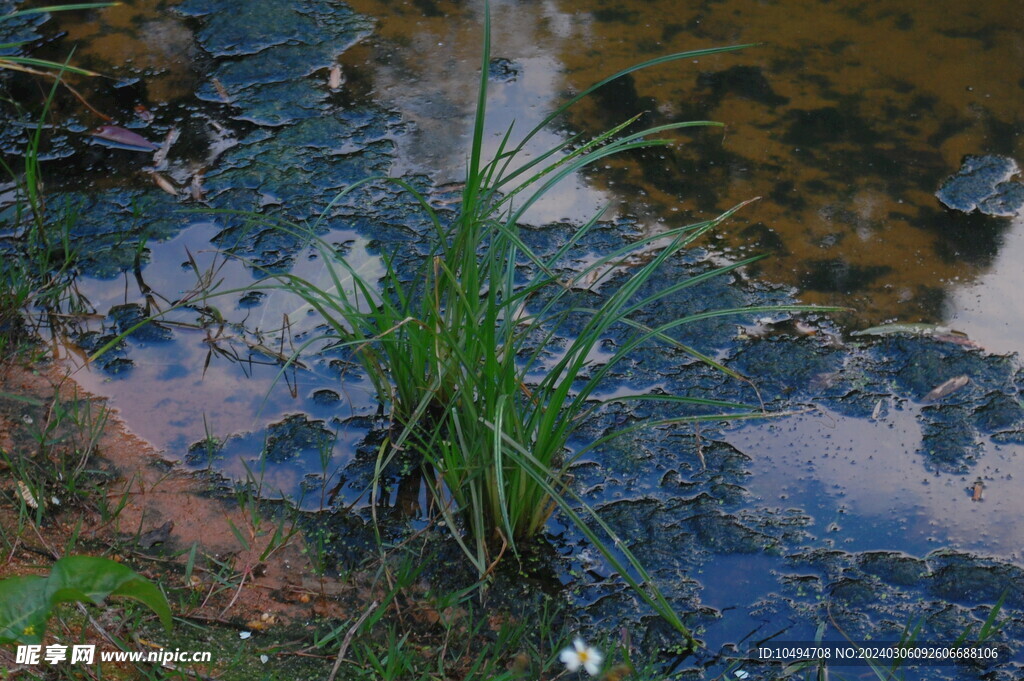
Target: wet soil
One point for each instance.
(167, 513)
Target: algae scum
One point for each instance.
(858, 511)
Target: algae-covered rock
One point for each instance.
(853, 593)
(894, 567)
(1001, 413)
(135, 318)
(294, 435)
(966, 578)
(787, 367)
(984, 183)
(948, 439)
(724, 533)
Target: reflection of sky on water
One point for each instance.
(868, 488)
(990, 308)
(167, 399)
(433, 80)
(426, 67)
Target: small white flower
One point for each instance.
(244, 634)
(581, 655)
(264, 659)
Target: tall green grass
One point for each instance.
(37, 274)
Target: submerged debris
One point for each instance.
(123, 138)
(335, 77)
(504, 70)
(936, 331)
(164, 184)
(977, 489)
(947, 388)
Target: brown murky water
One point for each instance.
(845, 120)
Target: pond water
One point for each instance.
(845, 120)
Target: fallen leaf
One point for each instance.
(119, 135)
(949, 387)
(979, 487)
(26, 495)
(335, 78)
(164, 184)
(142, 112)
(221, 92)
(160, 157)
(195, 187)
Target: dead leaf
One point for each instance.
(195, 187)
(26, 495)
(979, 487)
(164, 184)
(142, 112)
(119, 135)
(947, 388)
(160, 157)
(335, 78)
(221, 92)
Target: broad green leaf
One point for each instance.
(24, 609)
(77, 578)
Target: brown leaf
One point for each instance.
(979, 488)
(221, 92)
(335, 78)
(119, 135)
(164, 184)
(160, 157)
(195, 187)
(26, 495)
(947, 388)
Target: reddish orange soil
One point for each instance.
(157, 495)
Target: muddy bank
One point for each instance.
(155, 511)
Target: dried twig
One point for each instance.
(348, 639)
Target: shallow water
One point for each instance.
(845, 121)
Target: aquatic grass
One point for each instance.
(38, 272)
